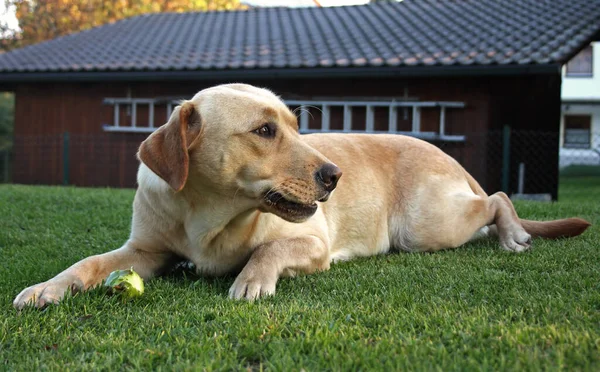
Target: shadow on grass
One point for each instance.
(183, 275)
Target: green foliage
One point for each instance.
(7, 119)
(472, 308)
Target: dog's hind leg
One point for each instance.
(496, 216)
(507, 225)
(485, 232)
(463, 216)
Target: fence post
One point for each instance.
(66, 159)
(506, 159)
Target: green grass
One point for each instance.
(582, 189)
(472, 308)
(580, 171)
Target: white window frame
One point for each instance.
(323, 105)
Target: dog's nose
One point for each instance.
(328, 176)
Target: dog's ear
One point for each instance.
(165, 151)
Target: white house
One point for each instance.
(580, 121)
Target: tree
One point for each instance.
(41, 20)
(7, 108)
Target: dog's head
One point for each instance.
(242, 142)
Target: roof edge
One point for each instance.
(594, 37)
(321, 72)
(581, 101)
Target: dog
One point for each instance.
(229, 184)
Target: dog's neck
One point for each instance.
(205, 215)
(210, 214)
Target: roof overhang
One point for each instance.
(290, 73)
(593, 38)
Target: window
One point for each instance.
(577, 134)
(581, 64)
(335, 115)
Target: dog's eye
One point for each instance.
(267, 130)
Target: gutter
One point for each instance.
(318, 72)
(576, 101)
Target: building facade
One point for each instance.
(484, 88)
(580, 120)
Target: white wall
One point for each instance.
(590, 156)
(583, 88)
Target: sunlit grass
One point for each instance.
(476, 307)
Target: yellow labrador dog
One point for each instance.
(229, 184)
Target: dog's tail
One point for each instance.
(564, 228)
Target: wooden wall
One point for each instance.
(44, 112)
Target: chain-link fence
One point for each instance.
(525, 164)
(106, 159)
(580, 166)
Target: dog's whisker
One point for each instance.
(278, 188)
(305, 108)
(234, 196)
(314, 107)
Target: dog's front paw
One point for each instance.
(253, 283)
(42, 294)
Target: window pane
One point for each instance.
(582, 63)
(577, 131)
(577, 138)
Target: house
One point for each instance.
(580, 121)
(479, 78)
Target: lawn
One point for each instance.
(476, 307)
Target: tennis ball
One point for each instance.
(125, 282)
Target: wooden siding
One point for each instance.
(97, 158)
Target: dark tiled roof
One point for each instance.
(409, 33)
